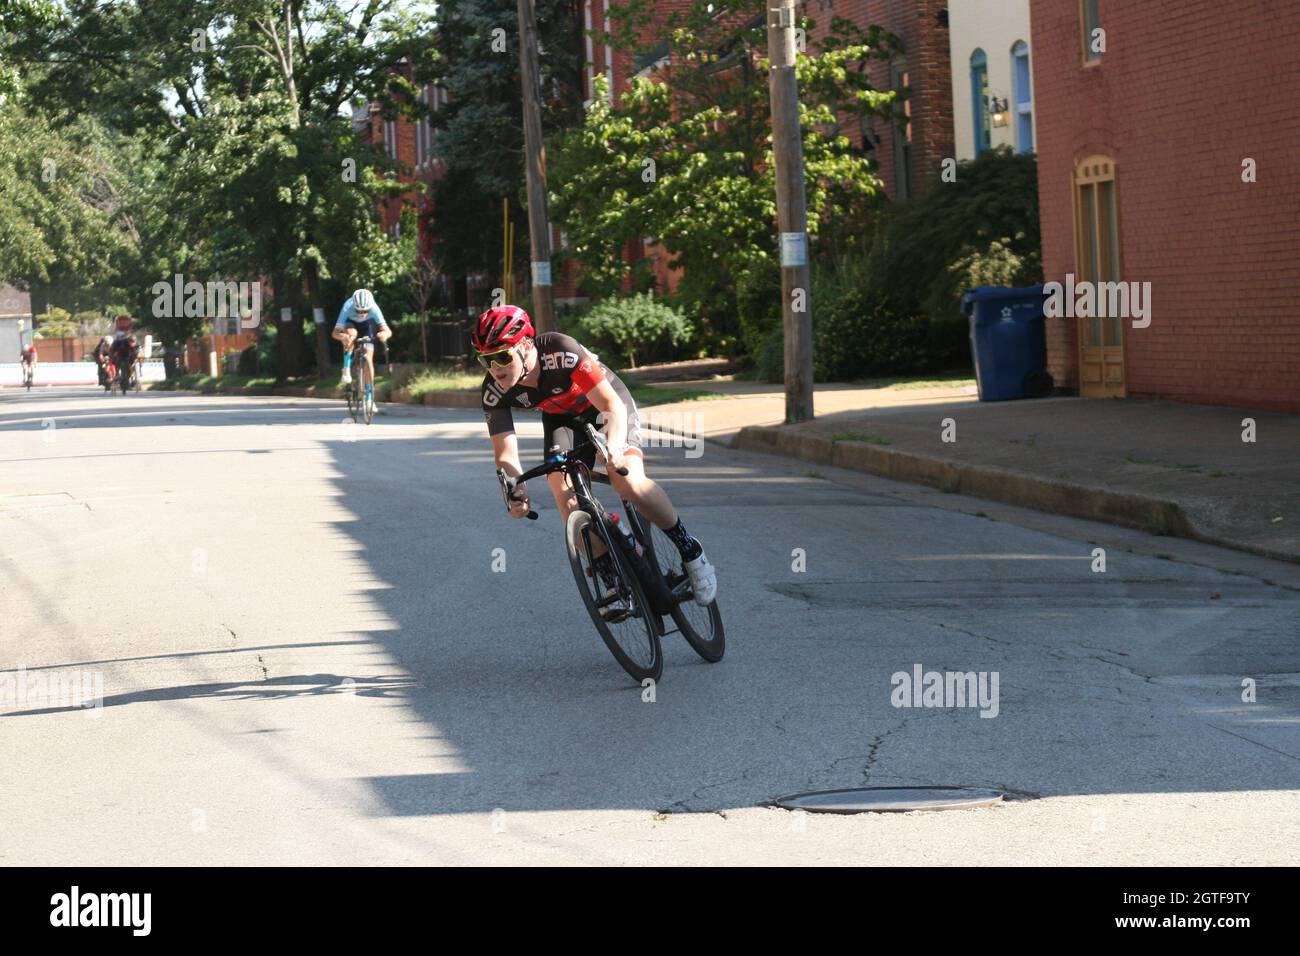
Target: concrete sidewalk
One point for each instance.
(1164, 467)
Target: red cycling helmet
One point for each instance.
(501, 327)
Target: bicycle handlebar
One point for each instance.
(510, 482)
(508, 485)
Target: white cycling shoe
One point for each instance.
(347, 377)
(704, 580)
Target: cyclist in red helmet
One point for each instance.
(555, 374)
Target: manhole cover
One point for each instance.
(890, 799)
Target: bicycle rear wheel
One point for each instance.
(630, 633)
(701, 626)
(351, 393)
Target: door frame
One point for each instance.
(1102, 369)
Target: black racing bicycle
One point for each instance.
(632, 597)
(360, 391)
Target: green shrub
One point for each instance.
(758, 304)
(771, 356)
(635, 330)
(405, 345)
(260, 358)
(857, 330)
(981, 229)
(896, 308)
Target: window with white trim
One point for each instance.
(1022, 84)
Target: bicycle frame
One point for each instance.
(580, 480)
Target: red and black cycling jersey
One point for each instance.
(568, 373)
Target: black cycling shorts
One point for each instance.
(562, 431)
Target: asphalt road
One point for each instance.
(296, 651)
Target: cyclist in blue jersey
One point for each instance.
(360, 317)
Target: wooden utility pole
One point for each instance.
(539, 226)
(791, 212)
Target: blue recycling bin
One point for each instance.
(1008, 342)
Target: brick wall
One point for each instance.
(925, 42)
(1186, 91)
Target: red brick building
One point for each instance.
(909, 160)
(1173, 158)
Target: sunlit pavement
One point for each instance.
(296, 649)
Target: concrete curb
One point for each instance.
(453, 399)
(1153, 515)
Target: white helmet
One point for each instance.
(363, 300)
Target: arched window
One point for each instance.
(979, 91)
(1024, 97)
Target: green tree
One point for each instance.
(479, 130)
(246, 102)
(64, 229)
(689, 163)
(17, 18)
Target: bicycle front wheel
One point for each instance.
(367, 393)
(623, 617)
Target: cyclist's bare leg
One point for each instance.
(347, 336)
(642, 491)
(370, 364)
(567, 502)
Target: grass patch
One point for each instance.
(644, 394)
(443, 380)
(196, 380)
(861, 437)
(954, 380)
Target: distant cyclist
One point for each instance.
(124, 351)
(103, 358)
(360, 317)
(29, 358)
(554, 374)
